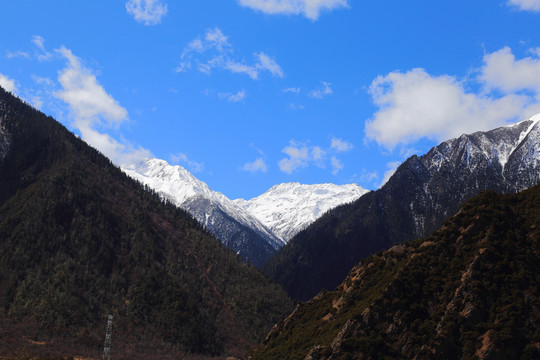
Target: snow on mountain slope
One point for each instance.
(286, 209)
(229, 222)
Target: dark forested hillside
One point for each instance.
(470, 291)
(418, 198)
(80, 240)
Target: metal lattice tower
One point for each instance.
(107, 346)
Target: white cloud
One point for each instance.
(298, 157)
(42, 81)
(415, 104)
(309, 8)
(40, 43)
(87, 99)
(292, 106)
(391, 169)
(7, 83)
(91, 106)
(213, 51)
(341, 145)
(237, 68)
(17, 54)
(192, 166)
(337, 165)
(317, 153)
(322, 91)
(302, 154)
(502, 71)
(147, 12)
(233, 98)
(265, 62)
(255, 166)
(526, 5)
(294, 90)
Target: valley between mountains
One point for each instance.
(439, 263)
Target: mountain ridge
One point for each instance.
(421, 194)
(254, 228)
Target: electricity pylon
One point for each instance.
(107, 346)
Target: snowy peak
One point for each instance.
(288, 208)
(493, 148)
(174, 181)
(229, 222)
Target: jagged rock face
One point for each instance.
(470, 290)
(421, 194)
(229, 222)
(506, 160)
(286, 209)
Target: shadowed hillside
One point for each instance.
(80, 240)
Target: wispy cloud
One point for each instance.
(341, 145)
(91, 107)
(337, 165)
(293, 90)
(193, 166)
(7, 83)
(298, 157)
(258, 165)
(40, 43)
(147, 12)
(321, 91)
(214, 51)
(293, 106)
(302, 154)
(17, 54)
(526, 5)
(311, 9)
(233, 98)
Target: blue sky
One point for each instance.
(250, 93)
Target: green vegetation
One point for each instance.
(470, 291)
(80, 240)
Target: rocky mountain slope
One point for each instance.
(470, 291)
(288, 208)
(80, 240)
(229, 222)
(416, 200)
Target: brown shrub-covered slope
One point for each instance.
(470, 291)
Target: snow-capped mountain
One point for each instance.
(506, 159)
(286, 209)
(255, 229)
(422, 193)
(229, 222)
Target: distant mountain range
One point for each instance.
(286, 209)
(256, 229)
(469, 291)
(421, 194)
